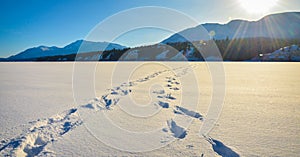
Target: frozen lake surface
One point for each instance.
(40, 117)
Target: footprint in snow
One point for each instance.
(220, 148)
(182, 110)
(177, 131)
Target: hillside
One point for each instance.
(75, 47)
(288, 53)
(282, 25)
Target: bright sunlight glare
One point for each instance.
(258, 6)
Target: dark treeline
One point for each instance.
(238, 49)
(108, 55)
(245, 49)
(230, 49)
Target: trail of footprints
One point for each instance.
(44, 131)
(41, 133)
(173, 85)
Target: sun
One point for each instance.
(258, 6)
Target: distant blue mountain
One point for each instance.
(75, 47)
(282, 25)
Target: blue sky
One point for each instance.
(31, 23)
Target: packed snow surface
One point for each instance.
(40, 117)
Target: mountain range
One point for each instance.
(74, 47)
(282, 26)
